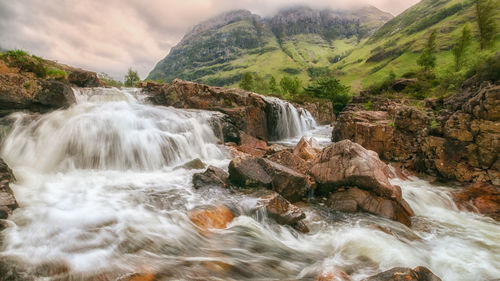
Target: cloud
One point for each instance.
(111, 36)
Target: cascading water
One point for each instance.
(289, 121)
(103, 193)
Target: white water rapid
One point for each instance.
(103, 193)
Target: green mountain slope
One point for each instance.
(395, 47)
(299, 41)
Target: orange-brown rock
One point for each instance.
(211, 218)
(419, 273)
(142, 277)
(481, 197)
(252, 145)
(307, 149)
(348, 164)
(290, 160)
(333, 275)
(249, 171)
(280, 209)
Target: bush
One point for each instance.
(132, 78)
(57, 73)
(331, 89)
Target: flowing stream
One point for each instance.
(103, 192)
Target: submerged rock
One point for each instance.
(194, 164)
(248, 171)
(419, 273)
(282, 211)
(212, 177)
(211, 218)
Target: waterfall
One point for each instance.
(287, 121)
(110, 129)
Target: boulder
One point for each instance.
(225, 129)
(419, 273)
(248, 171)
(290, 160)
(346, 163)
(211, 218)
(307, 149)
(194, 164)
(212, 177)
(480, 197)
(354, 200)
(8, 202)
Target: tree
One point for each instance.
(330, 88)
(460, 48)
(132, 78)
(246, 82)
(485, 12)
(290, 85)
(273, 85)
(427, 58)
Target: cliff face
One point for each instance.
(218, 50)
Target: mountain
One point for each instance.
(299, 41)
(396, 46)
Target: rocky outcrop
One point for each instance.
(8, 202)
(348, 164)
(251, 172)
(483, 198)
(321, 111)
(419, 273)
(459, 142)
(212, 177)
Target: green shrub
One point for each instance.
(330, 88)
(56, 73)
(434, 124)
(367, 105)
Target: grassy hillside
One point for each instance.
(395, 47)
(301, 42)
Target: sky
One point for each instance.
(114, 35)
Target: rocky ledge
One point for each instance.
(247, 111)
(7, 201)
(457, 138)
(26, 84)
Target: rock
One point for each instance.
(402, 83)
(348, 163)
(333, 275)
(142, 277)
(211, 218)
(8, 202)
(83, 78)
(480, 197)
(194, 164)
(249, 171)
(322, 112)
(212, 177)
(280, 209)
(252, 145)
(354, 200)
(225, 129)
(10, 272)
(419, 273)
(55, 94)
(290, 160)
(485, 104)
(247, 110)
(307, 149)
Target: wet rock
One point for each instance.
(247, 110)
(252, 145)
(419, 273)
(480, 197)
(225, 129)
(280, 209)
(322, 112)
(212, 177)
(348, 163)
(355, 200)
(249, 171)
(83, 78)
(142, 277)
(8, 202)
(307, 149)
(211, 218)
(194, 164)
(334, 274)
